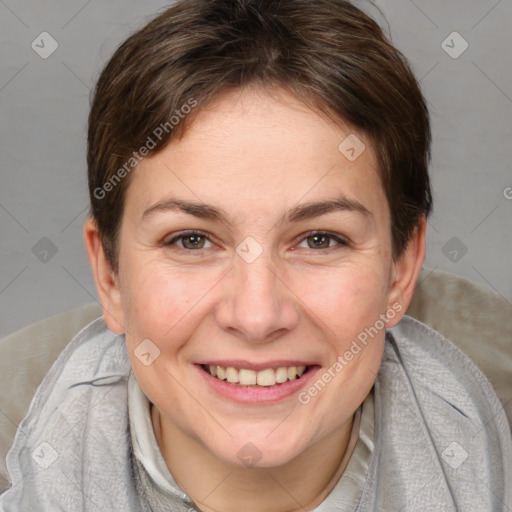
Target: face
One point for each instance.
(257, 245)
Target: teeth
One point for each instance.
(281, 374)
(231, 375)
(267, 377)
(221, 374)
(247, 377)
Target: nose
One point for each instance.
(257, 303)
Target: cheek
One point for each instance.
(158, 300)
(348, 300)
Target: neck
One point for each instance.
(213, 485)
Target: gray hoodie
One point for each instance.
(442, 441)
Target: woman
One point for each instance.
(258, 175)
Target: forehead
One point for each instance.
(277, 120)
(255, 149)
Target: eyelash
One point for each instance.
(184, 234)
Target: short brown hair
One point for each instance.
(328, 53)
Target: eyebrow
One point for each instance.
(298, 213)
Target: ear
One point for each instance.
(405, 273)
(107, 282)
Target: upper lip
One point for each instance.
(238, 363)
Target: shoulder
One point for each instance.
(81, 401)
(438, 424)
(433, 365)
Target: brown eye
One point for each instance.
(190, 241)
(193, 241)
(320, 240)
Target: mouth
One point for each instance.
(245, 377)
(260, 384)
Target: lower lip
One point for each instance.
(258, 395)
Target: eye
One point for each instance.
(190, 240)
(196, 240)
(322, 240)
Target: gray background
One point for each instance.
(44, 106)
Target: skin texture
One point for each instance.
(255, 154)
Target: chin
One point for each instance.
(246, 451)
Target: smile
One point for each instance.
(261, 384)
(246, 377)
